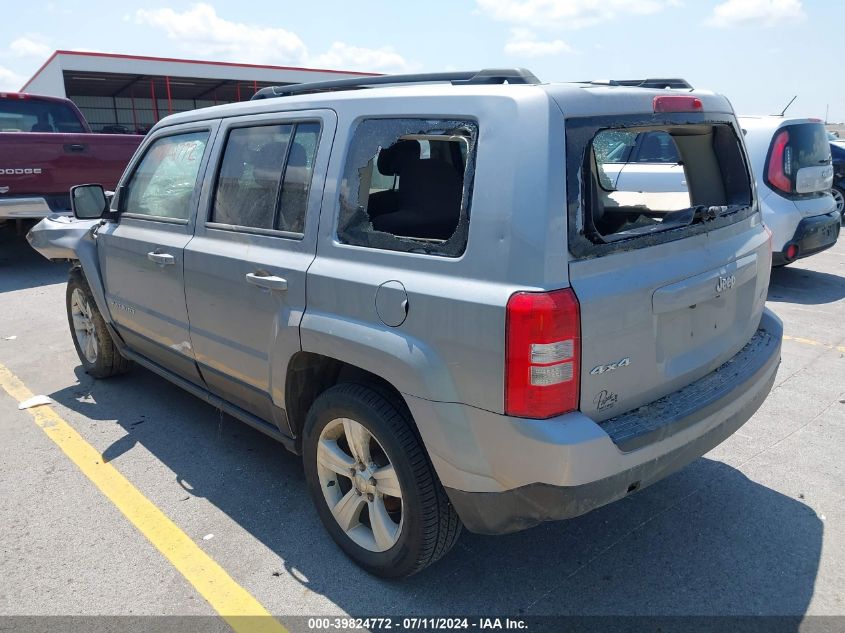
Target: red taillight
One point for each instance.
(780, 163)
(677, 103)
(543, 354)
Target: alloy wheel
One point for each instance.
(839, 199)
(83, 325)
(360, 484)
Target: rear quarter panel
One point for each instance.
(450, 348)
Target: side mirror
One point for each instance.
(88, 202)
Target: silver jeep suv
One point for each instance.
(429, 290)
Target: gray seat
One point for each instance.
(391, 161)
(428, 199)
(252, 201)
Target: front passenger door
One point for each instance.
(141, 256)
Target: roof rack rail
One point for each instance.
(478, 77)
(656, 82)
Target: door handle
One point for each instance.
(75, 147)
(162, 259)
(270, 282)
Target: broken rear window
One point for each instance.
(407, 185)
(644, 180)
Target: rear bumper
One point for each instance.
(32, 207)
(576, 465)
(812, 236)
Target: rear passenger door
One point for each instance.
(255, 239)
(141, 256)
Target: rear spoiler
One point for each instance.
(656, 82)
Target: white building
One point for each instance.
(129, 93)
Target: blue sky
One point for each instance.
(758, 52)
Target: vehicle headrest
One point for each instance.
(392, 160)
(298, 157)
(270, 156)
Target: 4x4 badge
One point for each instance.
(601, 369)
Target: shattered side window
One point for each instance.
(407, 185)
(164, 182)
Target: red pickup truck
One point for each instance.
(46, 147)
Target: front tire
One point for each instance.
(373, 485)
(91, 338)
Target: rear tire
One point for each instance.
(377, 493)
(91, 338)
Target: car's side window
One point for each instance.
(293, 200)
(657, 147)
(615, 146)
(407, 185)
(265, 177)
(164, 181)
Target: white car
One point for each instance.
(791, 162)
(644, 169)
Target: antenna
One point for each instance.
(782, 112)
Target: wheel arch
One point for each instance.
(88, 264)
(309, 374)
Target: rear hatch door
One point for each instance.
(666, 295)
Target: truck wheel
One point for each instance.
(373, 484)
(91, 338)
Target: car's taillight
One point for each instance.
(779, 169)
(543, 354)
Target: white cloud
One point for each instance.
(17, 53)
(343, 56)
(29, 47)
(85, 49)
(204, 33)
(200, 30)
(10, 80)
(755, 13)
(567, 14)
(524, 43)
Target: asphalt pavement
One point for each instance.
(755, 527)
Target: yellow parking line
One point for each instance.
(234, 604)
(809, 341)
